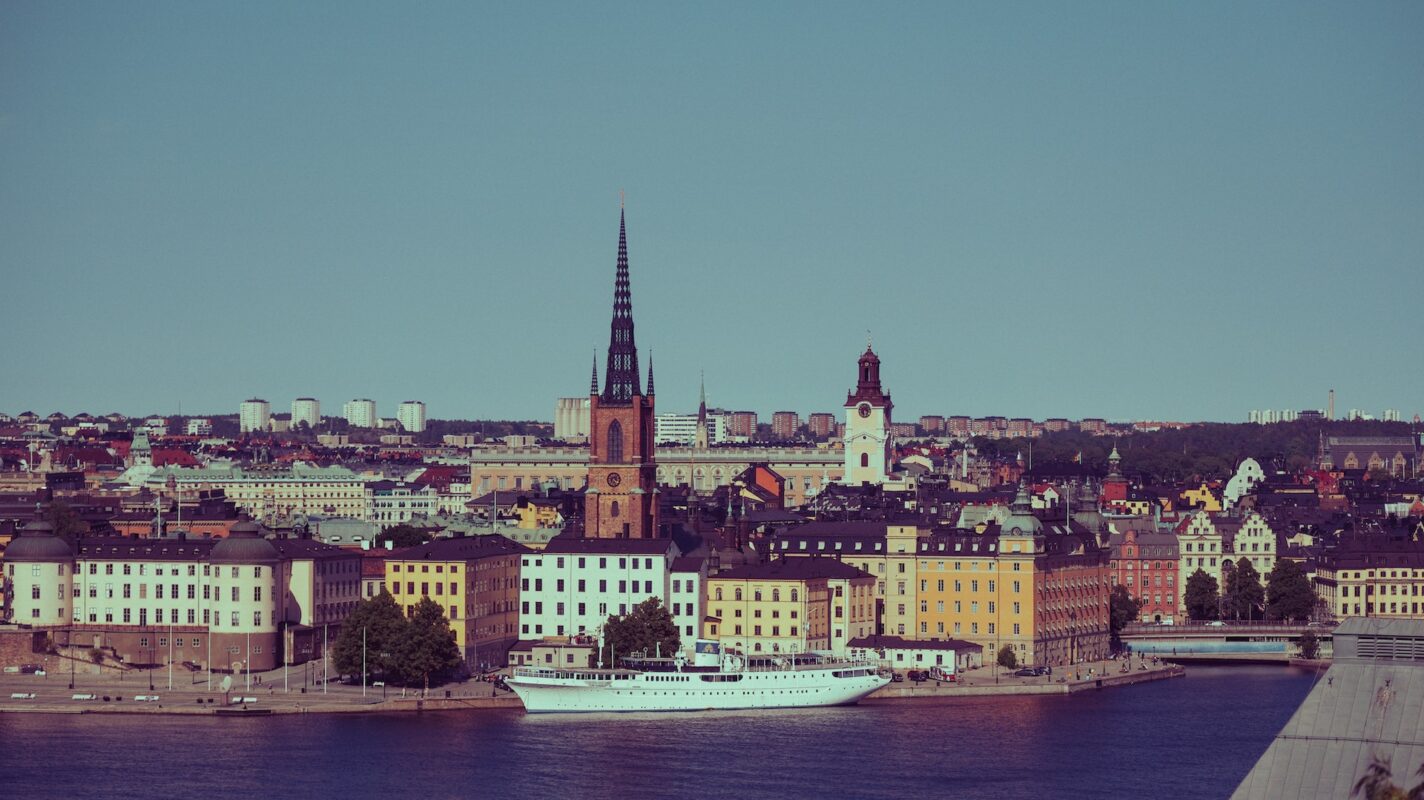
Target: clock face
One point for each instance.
(863, 409)
(614, 479)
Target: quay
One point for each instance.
(1070, 680)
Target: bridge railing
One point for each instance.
(1224, 627)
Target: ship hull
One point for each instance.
(694, 692)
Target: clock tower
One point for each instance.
(620, 502)
(867, 431)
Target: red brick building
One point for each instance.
(1145, 561)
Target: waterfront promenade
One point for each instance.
(129, 693)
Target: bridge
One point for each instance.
(1226, 642)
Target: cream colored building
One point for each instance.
(806, 469)
(1200, 547)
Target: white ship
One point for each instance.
(672, 685)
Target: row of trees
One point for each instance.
(410, 651)
(1287, 595)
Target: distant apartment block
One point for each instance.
(682, 429)
(411, 416)
(571, 418)
(199, 427)
(932, 424)
(254, 415)
(784, 424)
(306, 409)
(822, 425)
(360, 413)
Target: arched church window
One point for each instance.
(615, 442)
(865, 459)
(613, 510)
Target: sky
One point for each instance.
(1121, 210)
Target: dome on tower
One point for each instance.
(37, 542)
(244, 545)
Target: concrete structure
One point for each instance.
(254, 415)
(411, 416)
(306, 409)
(1366, 707)
(951, 656)
(360, 413)
(571, 418)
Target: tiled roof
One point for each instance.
(793, 569)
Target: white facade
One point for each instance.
(1199, 548)
(200, 427)
(687, 600)
(1256, 542)
(306, 409)
(395, 502)
(360, 413)
(571, 418)
(411, 416)
(682, 429)
(574, 593)
(254, 415)
(867, 443)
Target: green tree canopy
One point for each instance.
(1201, 596)
(1246, 598)
(1008, 659)
(428, 649)
(1309, 645)
(384, 624)
(1122, 608)
(1289, 594)
(403, 536)
(647, 629)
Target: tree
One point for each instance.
(428, 649)
(1122, 609)
(1007, 658)
(67, 523)
(1201, 596)
(1289, 594)
(403, 536)
(385, 626)
(1229, 589)
(1247, 596)
(1378, 783)
(1309, 646)
(647, 629)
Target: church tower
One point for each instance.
(622, 475)
(867, 433)
(701, 437)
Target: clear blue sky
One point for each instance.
(1129, 210)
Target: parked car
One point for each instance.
(1026, 672)
(1216, 623)
(897, 678)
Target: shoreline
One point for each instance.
(56, 698)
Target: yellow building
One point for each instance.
(794, 605)
(1373, 576)
(1201, 498)
(475, 580)
(884, 550)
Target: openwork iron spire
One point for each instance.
(621, 380)
(593, 381)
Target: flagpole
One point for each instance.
(363, 660)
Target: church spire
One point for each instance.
(593, 381)
(621, 380)
(650, 373)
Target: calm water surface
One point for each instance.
(1192, 737)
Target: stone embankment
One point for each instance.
(984, 685)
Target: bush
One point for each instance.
(1007, 658)
(96, 655)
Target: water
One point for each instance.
(1192, 737)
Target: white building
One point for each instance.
(868, 442)
(306, 409)
(1200, 548)
(254, 415)
(411, 416)
(360, 413)
(1256, 542)
(396, 502)
(200, 427)
(682, 429)
(571, 418)
(574, 585)
(157, 426)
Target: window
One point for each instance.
(615, 443)
(865, 459)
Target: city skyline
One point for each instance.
(1177, 214)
